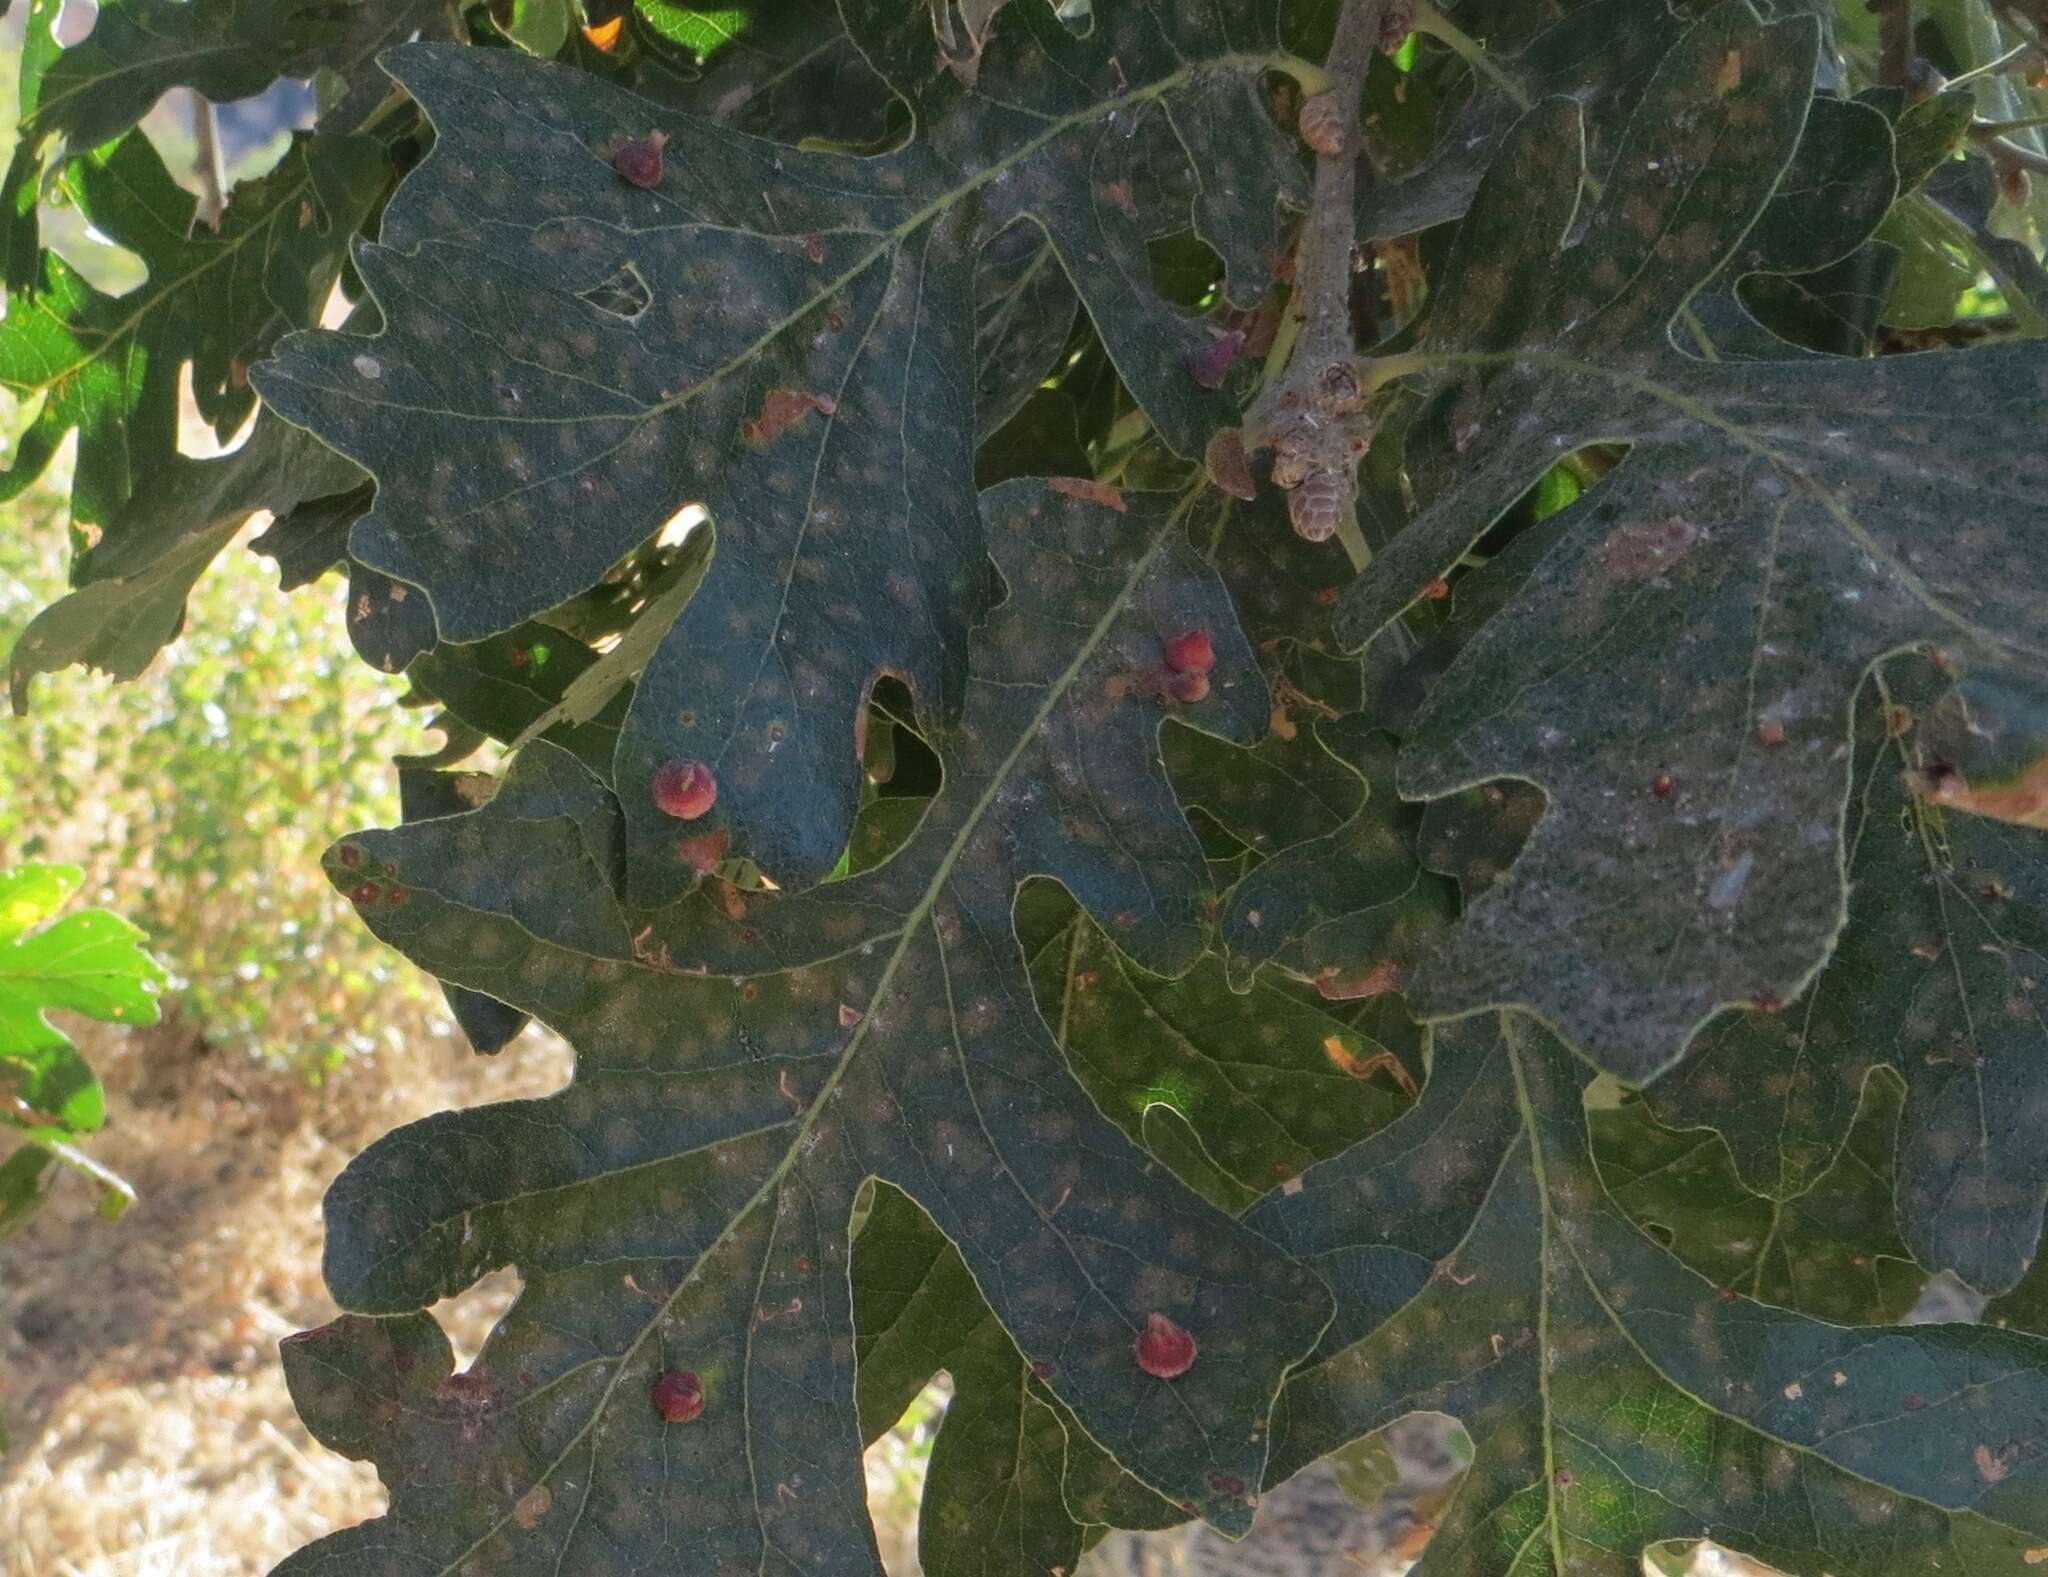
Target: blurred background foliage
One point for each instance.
(198, 800)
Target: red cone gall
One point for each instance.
(685, 789)
(639, 161)
(678, 1396)
(1189, 687)
(1163, 1349)
(1191, 653)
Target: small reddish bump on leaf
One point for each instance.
(1226, 1483)
(521, 657)
(678, 1396)
(849, 1015)
(1436, 590)
(1913, 1402)
(397, 895)
(1043, 1368)
(1124, 919)
(1493, 794)
(364, 894)
(1089, 491)
(814, 247)
(1210, 365)
(1767, 1001)
(1191, 652)
(1163, 1349)
(1189, 689)
(684, 789)
(1661, 785)
(1771, 732)
(1326, 597)
(1564, 1478)
(804, 1266)
(349, 855)
(638, 162)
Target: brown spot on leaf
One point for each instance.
(705, 852)
(1377, 981)
(2022, 800)
(1638, 550)
(1089, 491)
(533, 1505)
(783, 409)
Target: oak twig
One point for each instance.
(1311, 415)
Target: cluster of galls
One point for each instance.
(1317, 443)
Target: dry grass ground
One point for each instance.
(138, 1365)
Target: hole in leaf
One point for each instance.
(901, 774)
(102, 262)
(199, 438)
(1186, 270)
(469, 1316)
(895, 1466)
(1704, 1559)
(624, 295)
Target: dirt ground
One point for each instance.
(138, 1365)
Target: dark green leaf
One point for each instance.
(1936, 975)
(1676, 671)
(818, 412)
(1616, 1398)
(1832, 1252)
(94, 91)
(747, 1059)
